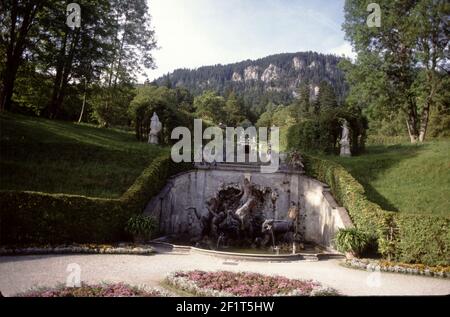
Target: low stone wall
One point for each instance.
(323, 216)
(182, 201)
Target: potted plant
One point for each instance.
(141, 227)
(351, 241)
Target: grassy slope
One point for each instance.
(61, 157)
(407, 178)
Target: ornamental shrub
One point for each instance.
(35, 217)
(351, 240)
(321, 132)
(411, 238)
(141, 226)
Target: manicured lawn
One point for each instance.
(407, 178)
(63, 157)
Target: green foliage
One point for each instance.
(320, 133)
(34, 217)
(423, 239)
(398, 71)
(282, 117)
(326, 97)
(54, 69)
(385, 140)
(396, 233)
(440, 114)
(234, 110)
(265, 120)
(387, 247)
(141, 225)
(110, 105)
(351, 240)
(304, 102)
(165, 103)
(210, 106)
(256, 93)
(61, 157)
(33, 91)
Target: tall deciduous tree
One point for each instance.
(412, 38)
(17, 19)
(432, 52)
(133, 42)
(234, 110)
(210, 106)
(76, 54)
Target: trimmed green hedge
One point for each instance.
(423, 237)
(408, 238)
(34, 217)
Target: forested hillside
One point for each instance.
(274, 78)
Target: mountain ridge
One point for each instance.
(274, 78)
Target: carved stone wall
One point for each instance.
(183, 201)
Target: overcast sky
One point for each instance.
(193, 33)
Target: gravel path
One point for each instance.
(19, 273)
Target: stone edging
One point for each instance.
(412, 269)
(183, 249)
(80, 249)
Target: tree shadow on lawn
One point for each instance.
(370, 166)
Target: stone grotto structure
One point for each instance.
(237, 205)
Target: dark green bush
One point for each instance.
(173, 106)
(423, 239)
(410, 238)
(141, 226)
(321, 132)
(33, 217)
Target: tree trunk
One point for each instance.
(51, 110)
(8, 85)
(16, 46)
(411, 131)
(62, 75)
(424, 121)
(428, 102)
(412, 121)
(84, 102)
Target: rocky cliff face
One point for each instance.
(251, 73)
(298, 63)
(236, 77)
(274, 78)
(271, 73)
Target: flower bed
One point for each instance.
(396, 267)
(97, 290)
(224, 283)
(79, 248)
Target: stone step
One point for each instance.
(244, 167)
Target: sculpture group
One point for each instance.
(234, 217)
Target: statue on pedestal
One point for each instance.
(345, 140)
(155, 128)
